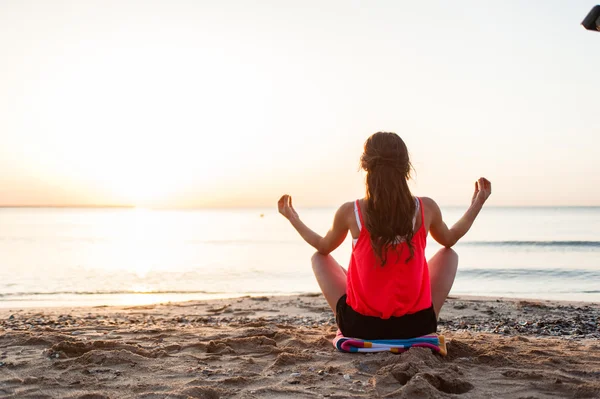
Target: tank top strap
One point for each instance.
(358, 214)
(422, 212)
(417, 206)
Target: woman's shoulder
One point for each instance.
(431, 210)
(428, 202)
(348, 205)
(345, 214)
(346, 208)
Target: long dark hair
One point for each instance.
(390, 207)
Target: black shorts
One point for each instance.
(355, 325)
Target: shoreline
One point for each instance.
(280, 346)
(148, 299)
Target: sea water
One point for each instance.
(102, 256)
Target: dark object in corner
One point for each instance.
(592, 20)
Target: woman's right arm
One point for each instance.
(450, 236)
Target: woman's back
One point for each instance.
(400, 286)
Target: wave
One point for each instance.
(505, 274)
(556, 244)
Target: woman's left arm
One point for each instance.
(334, 237)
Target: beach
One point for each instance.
(281, 346)
(151, 247)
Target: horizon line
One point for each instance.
(113, 206)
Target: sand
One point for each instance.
(280, 347)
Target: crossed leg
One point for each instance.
(331, 278)
(442, 271)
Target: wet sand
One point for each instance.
(280, 347)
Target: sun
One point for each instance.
(146, 184)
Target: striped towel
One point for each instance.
(435, 342)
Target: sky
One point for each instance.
(234, 103)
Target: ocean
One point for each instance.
(110, 256)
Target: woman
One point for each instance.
(390, 290)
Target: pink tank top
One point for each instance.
(397, 288)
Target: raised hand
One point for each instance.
(286, 208)
(483, 190)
